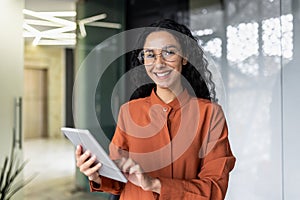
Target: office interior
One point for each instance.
(46, 45)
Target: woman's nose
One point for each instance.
(159, 64)
(158, 59)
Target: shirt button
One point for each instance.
(165, 109)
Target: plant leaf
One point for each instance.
(18, 171)
(2, 179)
(9, 173)
(15, 190)
(10, 168)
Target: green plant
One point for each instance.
(9, 172)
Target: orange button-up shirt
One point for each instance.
(183, 143)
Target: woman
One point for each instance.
(171, 139)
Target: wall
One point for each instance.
(255, 46)
(11, 66)
(52, 59)
(11, 70)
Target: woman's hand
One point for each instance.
(135, 175)
(86, 163)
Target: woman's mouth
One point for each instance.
(162, 74)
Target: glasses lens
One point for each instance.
(169, 54)
(147, 57)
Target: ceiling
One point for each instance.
(50, 5)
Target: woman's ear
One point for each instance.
(184, 61)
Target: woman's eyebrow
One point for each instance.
(171, 46)
(164, 47)
(147, 49)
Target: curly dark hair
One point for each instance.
(198, 75)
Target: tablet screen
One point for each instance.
(84, 138)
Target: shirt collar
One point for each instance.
(175, 104)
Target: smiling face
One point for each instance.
(163, 50)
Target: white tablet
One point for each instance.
(88, 142)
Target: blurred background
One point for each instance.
(255, 46)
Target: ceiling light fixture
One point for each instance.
(52, 27)
(59, 27)
(92, 21)
(49, 16)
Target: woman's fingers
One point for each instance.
(120, 162)
(80, 156)
(89, 168)
(135, 169)
(92, 172)
(78, 152)
(83, 157)
(87, 164)
(127, 165)
(135, 173)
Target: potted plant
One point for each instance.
(9, 172)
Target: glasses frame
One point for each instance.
(164, 49)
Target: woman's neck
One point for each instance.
(167, 95)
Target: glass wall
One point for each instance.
(253, 44)
(92, 89)
(290, 108)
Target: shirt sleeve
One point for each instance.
(217, 161)
(107, 185)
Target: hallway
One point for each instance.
(51, 161)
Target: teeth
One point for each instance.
(162, 74)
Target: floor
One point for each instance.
(52, 164)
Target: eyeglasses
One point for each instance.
(147, 57)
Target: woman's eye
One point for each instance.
(168, 52)
(148, 54)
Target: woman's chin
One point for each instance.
(168, 84)
(164, 86)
